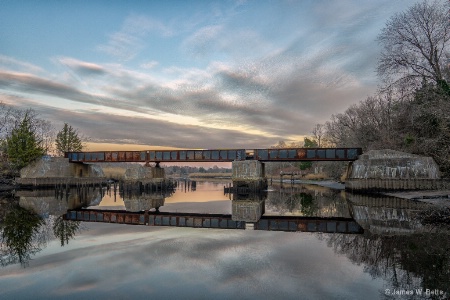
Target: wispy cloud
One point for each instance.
(10, 63)
(126, 43)
(149, 64)
(82, 67)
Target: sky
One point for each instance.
(190, 74)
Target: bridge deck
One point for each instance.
(218, 155)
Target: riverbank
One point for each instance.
(439, 198)
(325, 183)
(7, 185)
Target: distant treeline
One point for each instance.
(185, 170)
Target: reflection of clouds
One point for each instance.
(191, 262)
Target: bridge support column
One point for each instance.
(249, 174)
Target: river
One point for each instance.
(394, 256)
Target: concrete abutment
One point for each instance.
(389, 170)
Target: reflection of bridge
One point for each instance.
(273, 223)
(219, 155)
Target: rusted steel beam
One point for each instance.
(223, 221)
(156, 219)
(307, 154)
(308, 224)
(218, 155)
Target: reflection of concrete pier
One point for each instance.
(385, 215)
(57, 202)
(144, 202)
(140, 197)
(247, 210)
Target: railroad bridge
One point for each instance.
(247, 165)
(217, 155)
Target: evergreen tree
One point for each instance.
(308, 143)
(67, 140)
(23, 145)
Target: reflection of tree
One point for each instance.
(405, 261)
(20, 228)
(435, 217)
(309, 207)
(307, 201)
(65, 230)
(24, 233)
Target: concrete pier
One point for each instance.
(249, 174)
(51, 171)
(389, 170)
(57, 167)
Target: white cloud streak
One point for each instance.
(126, 43)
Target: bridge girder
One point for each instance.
(218, 155)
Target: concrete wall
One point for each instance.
(248, 170)
(390, 164)
(57, 167)
(144, 173)
(380, 185)
(389, 170)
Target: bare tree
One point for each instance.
(415, 46)
(318, 134)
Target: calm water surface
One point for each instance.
(45, 257)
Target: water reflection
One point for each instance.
(406, 262)
(21, 235)
(386, 215)
(25, 233)
(56, 202)
(143, 198)
(396, 245)
(65, 230)
(307, 200)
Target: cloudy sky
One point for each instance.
(195, 74)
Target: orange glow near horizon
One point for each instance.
(124, 147)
